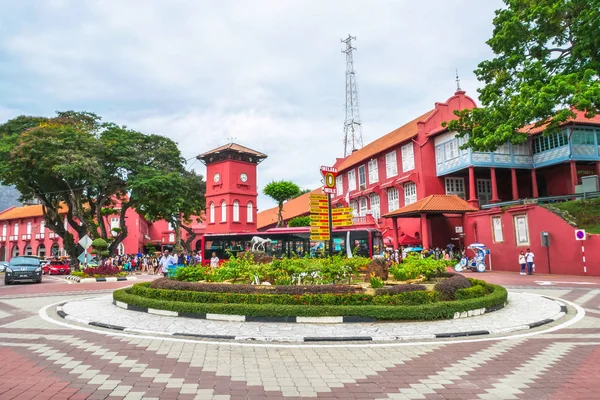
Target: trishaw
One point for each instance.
(475, 264)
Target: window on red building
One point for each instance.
(373, 171)
(363, 206)
(351, 180)
(223, 211)
(339, 185)
(393, 199)
(362, 178)
(236, 211)
(410, 193)
(374, 197)
(250, 213)
(212, 213)
(456, 186)
(391, 164)
(408, 157)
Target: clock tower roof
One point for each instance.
(229, 151)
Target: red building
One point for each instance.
(231, 188)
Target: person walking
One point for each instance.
(522, 262)
(165, 262)
(529, 257)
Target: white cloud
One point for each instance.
(270, 73)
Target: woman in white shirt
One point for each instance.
(214, 261)
(522, 262)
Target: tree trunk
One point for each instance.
(191, 237)
(123, 225)
(280, 216)
(177, 249)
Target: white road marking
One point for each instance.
(547, 283)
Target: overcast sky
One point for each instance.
(268, 73)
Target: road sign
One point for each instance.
(319, 237)
(319, 230)
(341, 210)
(343, 223)
(85, 258)
(318, 206)
(315, 196)
(329, 175)
(341, 217)
(319, 223)
(580, 234)
(85, 242)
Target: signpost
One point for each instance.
(84, 257)
(580, 235)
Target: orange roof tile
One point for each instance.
(579, 119)
(291, 209)
(434, 204)
(26, 212)
(385, 142)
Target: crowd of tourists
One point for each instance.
(150, 263)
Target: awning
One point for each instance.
(433, 205)
(412, 177)
(387, 185)
(407, 240)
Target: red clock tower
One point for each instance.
(231, 188)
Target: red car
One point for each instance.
(57, 267)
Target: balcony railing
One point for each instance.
(39, 236)
(2, 238)
(26, 236)
(13, 238)
(544, 200)
(53, 235)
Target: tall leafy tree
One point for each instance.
(177, 197)
(281, 191)
(546, 64)
(77, 163)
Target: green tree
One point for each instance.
(299, 221)
(177, 197)
(301, 192)
(546, 64)
(281, 191)
(82, 170)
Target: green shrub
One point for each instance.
(414, 266)
(470, 293)
(79, 274)
(395, 289)
(376, 282)
(448, 287)
(430, 311)
(190, 274)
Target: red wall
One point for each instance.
(565, 251)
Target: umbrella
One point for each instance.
(407, 240)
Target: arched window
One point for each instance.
(55, 250)
(236, 211)
(212, 213)
(393, 202)
(250, 216)
(223, 211)
(41, 251)
(121, 249)
(28, 250)
(16, 229)
(15, 251)
(374, 197)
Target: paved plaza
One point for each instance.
(43, 356)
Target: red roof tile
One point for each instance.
(434, 204)
(25, 212)
(234, 147)
(579, 119)
(395, 137)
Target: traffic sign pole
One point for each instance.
(330, 225)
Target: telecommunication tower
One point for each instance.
(352, 126)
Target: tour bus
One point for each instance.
(290, 242)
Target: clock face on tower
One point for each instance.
(217, 177)
(243, 177)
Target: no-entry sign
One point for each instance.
(579, 234)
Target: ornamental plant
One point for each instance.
(414, 266)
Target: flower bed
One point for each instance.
(397, 304)
(99, 272)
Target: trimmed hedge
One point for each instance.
(438, 310)
(399, 289)
(407, 298)
(448, 287)
(470, 293)
(164, 283)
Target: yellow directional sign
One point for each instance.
(318, 206)
(315, 196)
(343, 223)
(342, 210)
(319, 237)
(314, 217)
(341, 218)
(319, 223)
(319, 209)
(319, 230)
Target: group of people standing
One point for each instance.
(151, 263)
(527, 262)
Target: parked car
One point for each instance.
(56, 267)
(3, 266)
(23, 268)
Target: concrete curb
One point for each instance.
(60, 312)
(108, 279)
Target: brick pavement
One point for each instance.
(39, 359)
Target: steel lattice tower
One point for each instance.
(352, 126)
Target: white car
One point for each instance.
(3, 266)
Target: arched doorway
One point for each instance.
(15, 251)
(55, 250)
(41, 251)
(28, 250)
(2, 253)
